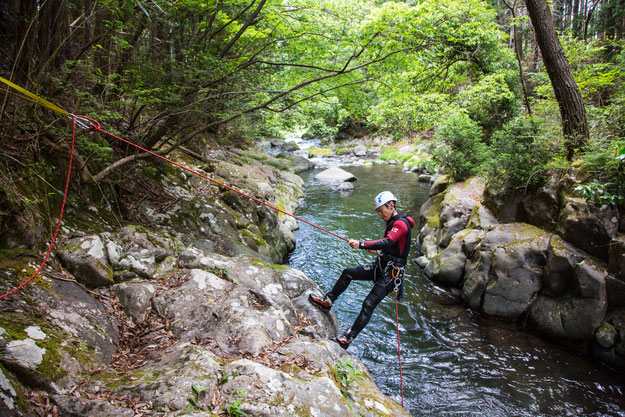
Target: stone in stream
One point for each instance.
(335, 175)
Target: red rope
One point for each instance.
(401, 378)
(95, 126)
(58, 224)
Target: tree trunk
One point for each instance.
(572, 111)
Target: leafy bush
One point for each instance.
(521, 154)
(603, 167)
(460, 150)
(490, 102)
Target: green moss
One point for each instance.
(14, 324)
(256, 238)
(20, 398)
(432, 216)
(262, 264)
(320, 152)
(51, 366)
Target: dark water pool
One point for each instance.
(455, 363)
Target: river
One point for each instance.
(455, 362)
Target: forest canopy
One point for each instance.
(171, 73)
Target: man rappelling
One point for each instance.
(386, 272)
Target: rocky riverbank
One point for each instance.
(182, 311)
(549, 260)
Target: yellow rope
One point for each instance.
(35, 98)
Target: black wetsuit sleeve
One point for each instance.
(378, 244)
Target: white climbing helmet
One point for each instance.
(383, 198)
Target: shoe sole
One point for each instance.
(310, 298)
(344, 346)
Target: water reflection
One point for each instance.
(455, 363)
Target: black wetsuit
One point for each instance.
(394, 247)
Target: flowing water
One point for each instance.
(454, 362)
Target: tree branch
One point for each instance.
(247, 24)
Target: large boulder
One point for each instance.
(145, 253)
(580, 311)
(588, 226)
(562, 257)
(297, 163)
(504, 275)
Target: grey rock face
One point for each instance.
(589, 229)
(86, 259)
(80, 407)
(166, 382)
(513, 270)
(541, 207)
(135, 296)
(511, 277)
(562, 258)
(579, 312)
(262, 304)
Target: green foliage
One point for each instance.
(346, 376)
(490, 101)
(521, 154)
(393, 154)
(599, 192)
(597, 79)
(234, 408)
(603, 167)
(196, 393)
(460, 150)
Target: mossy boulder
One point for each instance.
(510, 278)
